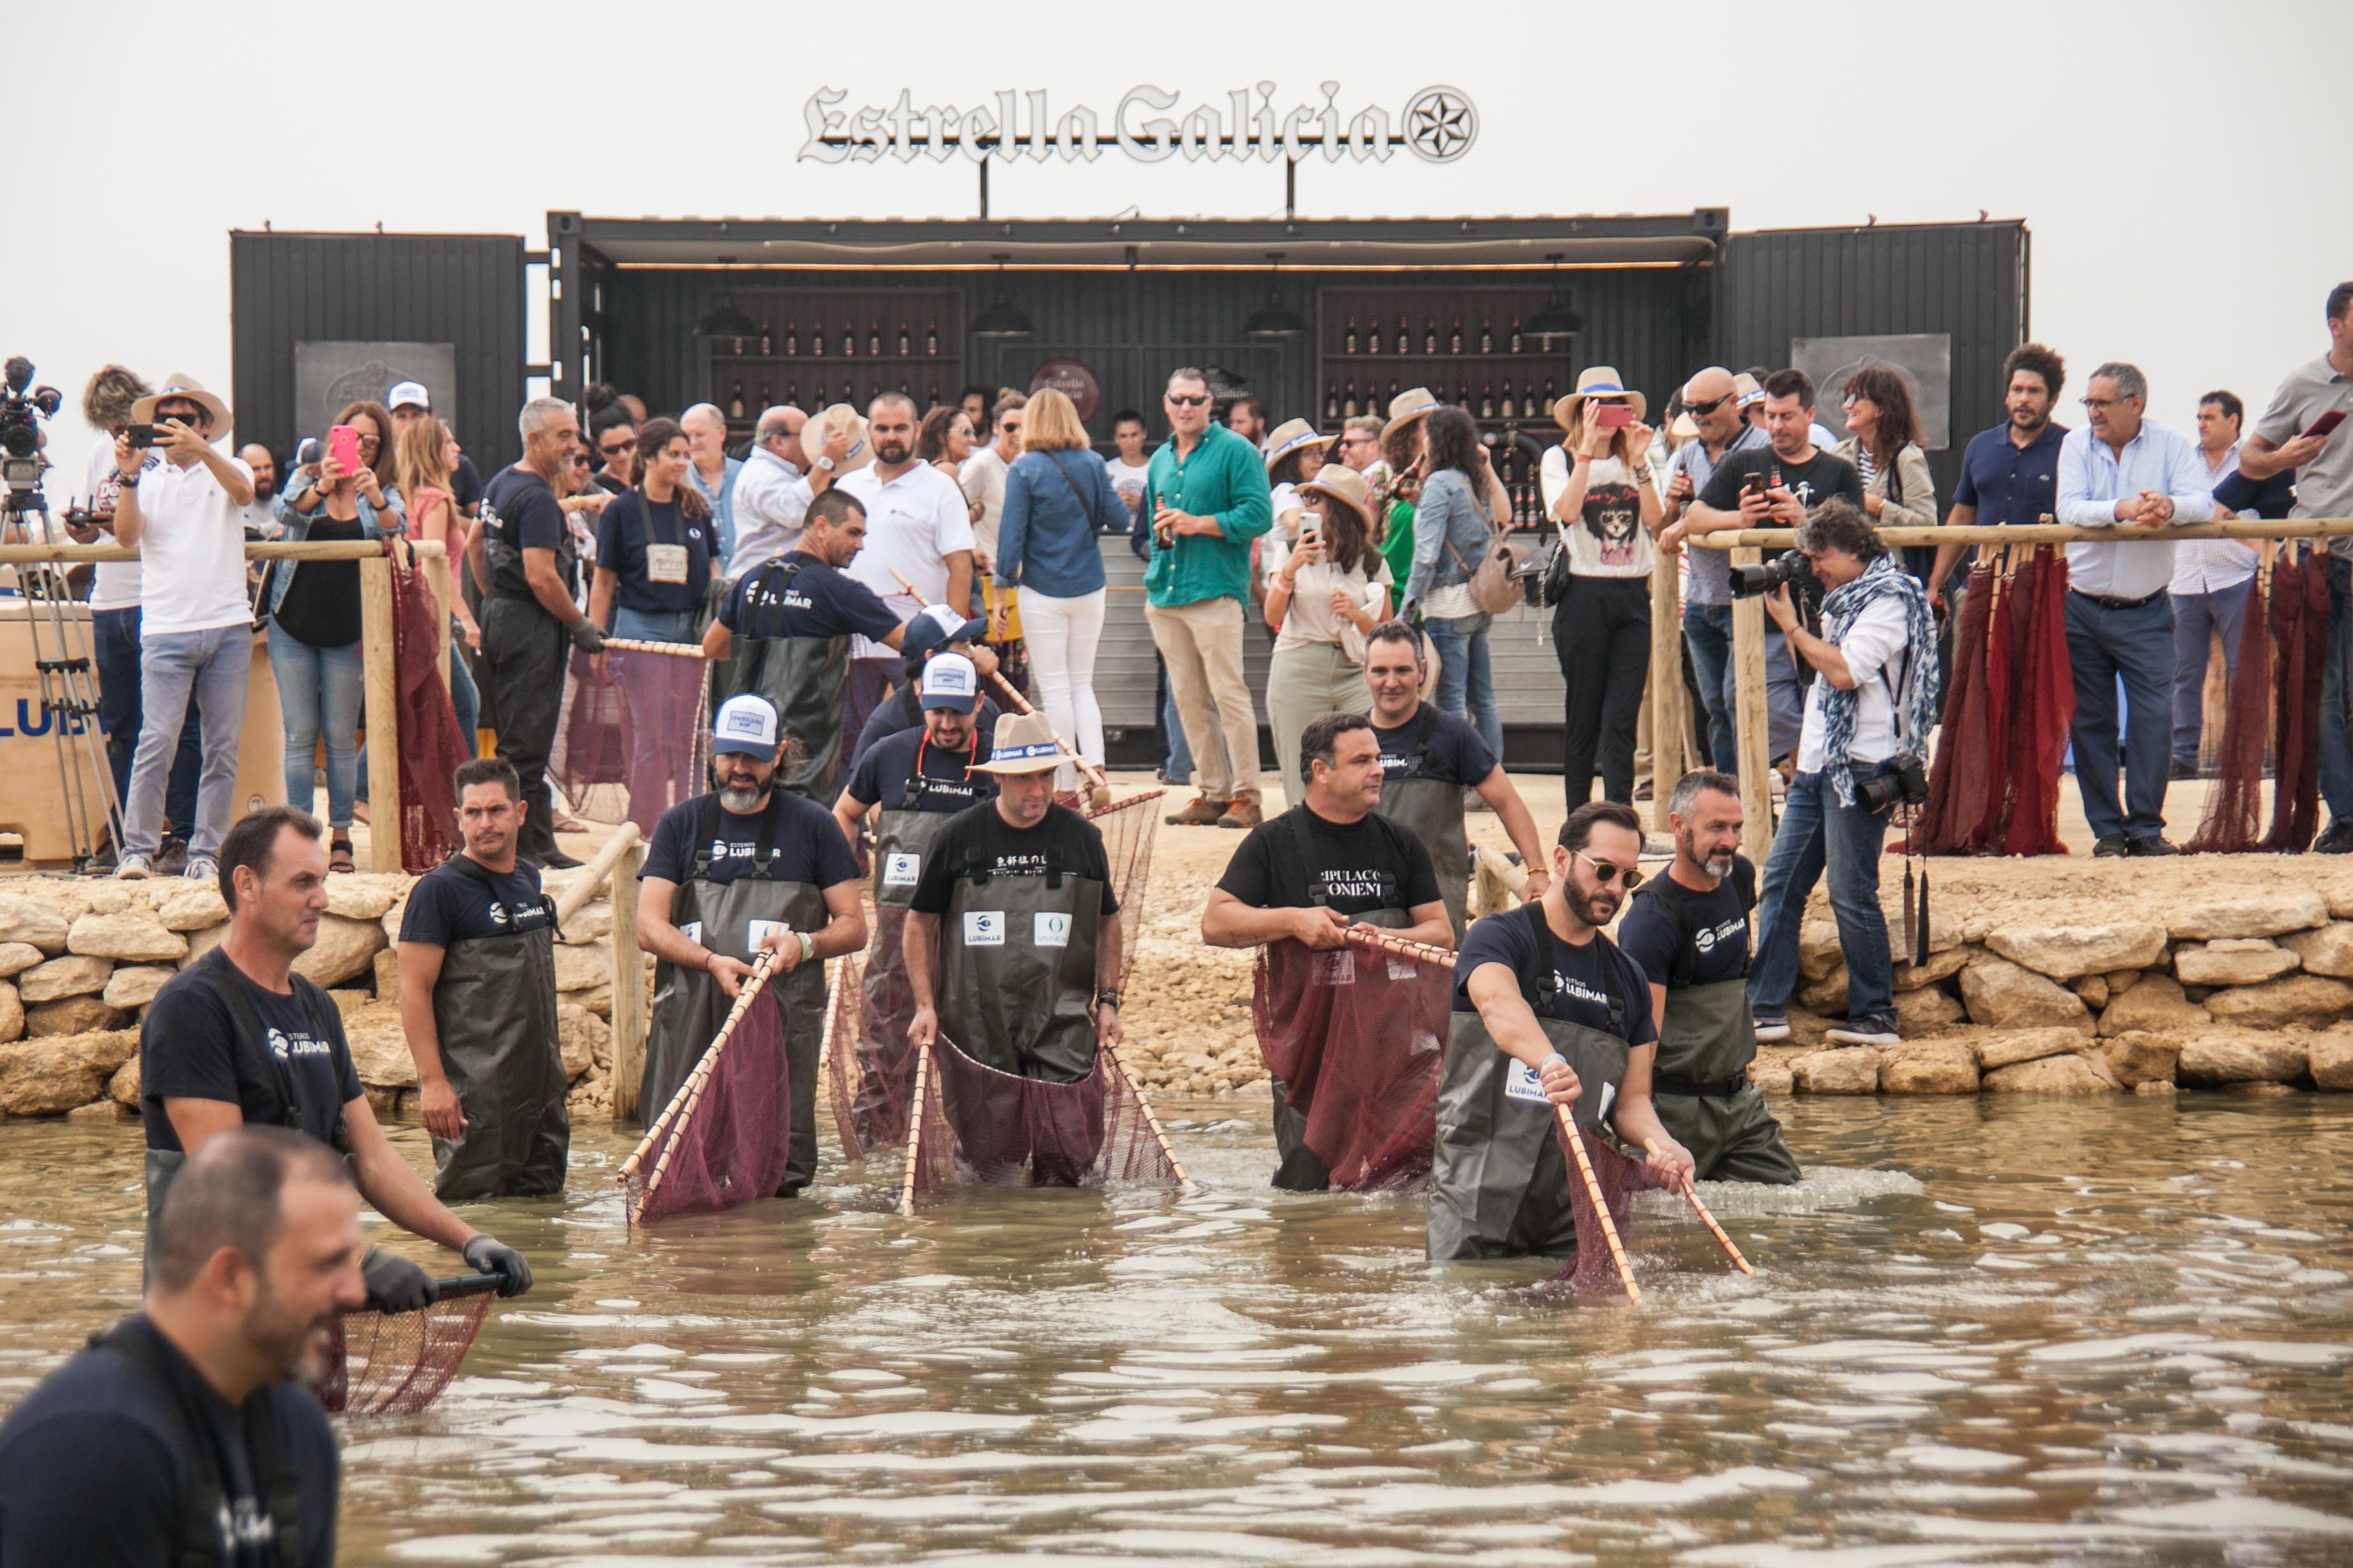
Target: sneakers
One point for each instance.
(1241, 811)
(2184, 769)
(2145, 849)
(134, 868)
(173, 857)
(1203, 812)
(1864, 1032)
(202, 868)
(2338, 840)
(1770, 1030)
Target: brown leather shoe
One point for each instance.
(1241, 811)
(1203, 812)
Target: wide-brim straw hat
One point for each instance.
(179, 385)
(822, 422)
(1345, 485)
(1414, 403)
(1024, 743)
(1684, 429)
(1746, 390)
(1596, 380)
(1289, 436)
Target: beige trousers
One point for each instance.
(1201, 643)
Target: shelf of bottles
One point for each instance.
(1467, 346)
(813, 348)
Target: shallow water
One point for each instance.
(1983, 1332)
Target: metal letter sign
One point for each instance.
(1439, 124)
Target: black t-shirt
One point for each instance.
(1355, 867)
(979, 836)
(899, 711)
(321, 607)
(1812, 483)
(98, 1464)
(1712, 927)
(807, 841)
(455, 903)
(1457, 754)
(621, 541)
(520, 510)
(466, 483)
(188, 1049)
(881, 775)
(1583, 975)
(819, 602)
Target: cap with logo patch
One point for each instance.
(746, 723)
(950, 680)
(409, 395)
(935, 627)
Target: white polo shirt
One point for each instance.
(913, 525)
(771, 503)
(116, 585)
(191, 550)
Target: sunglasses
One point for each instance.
(1187, 400)
(1606, 873)
(1702, 410)
(612, 451)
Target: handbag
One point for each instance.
(1493, 586)
(1543, 578)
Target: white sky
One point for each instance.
(2182, 165)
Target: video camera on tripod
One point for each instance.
(22, 438)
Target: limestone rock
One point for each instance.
(1928, 1067)
(15, 957)
(2241, 1056)
(2006, 996)
(193, 906)
(11, 1011)
(380, 1048)
(135, 985)
(1940, 966)
(596, 999)
(24, 920)
(2065, 951)
(201, 942)
(131, 936)
(2081, 1073)
(1819, 951)
(2093, 989)
(2268, 913)
(594, 923)
(578, 968)
(123, 1086)
(1852, 1070)
(2137, 1058)
(2308, 999)
(387, 974)
(111, 899)
(74, 975)
(588, 1039)
(365, 896)
(2002, 1050)
(2258, 1087)
(2121, 981)
(2327, 950)
(1926, 1011)
(97, 1110)
(56, 1073)
(343, 949)
(2337, 890)
(2155, 1007)
(2330, 1057)
(2155, 1088)
(348, 1002)
(2232, 961)
(1771, 1071)
(74, 1015)
(384, 1102)
(1826, 995)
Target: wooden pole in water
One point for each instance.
(1691, 1195)
(1600, 1204)
(1150, 1121)
(382, 693)
(679, 1101)
(628, 965)
(916, 1130)
(1753, 717)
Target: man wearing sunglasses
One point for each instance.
(1714, 406)
(1548, 1011)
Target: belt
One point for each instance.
(2108, 603)
(1715, 1088)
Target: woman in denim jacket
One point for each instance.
(1452, 532)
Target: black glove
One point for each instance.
(489, 1254)
(394, 1283)
(586, 637)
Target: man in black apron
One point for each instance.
(1689, 930)
(750, 866)
(793, 617)
(1012, 940)
(237, 1036)
(1547, 1011)
(1428, 759)
(1328, 863)
(934, 629)
(478, 1005)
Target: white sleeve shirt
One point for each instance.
(192, 545)
(771, 501)
(913, 524)
(2094, 477)
(1874, 647)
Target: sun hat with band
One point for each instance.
(822, 422)
(1596, 380)
(745, 723)
(1289, 436)
(1024, 743)
(1746, 390)
(177, 385)
(1345, 485)
(1414, 403)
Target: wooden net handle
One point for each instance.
(1691, 1195)
(752, 987)
(1600, 1205)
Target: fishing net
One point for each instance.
(2041, 706)
(1357, 1037)
(2233, 819)
(977, 1125)
(397, 1364)
(724, 1136)
(2299, 619)
(1593, 1271)
(1965, 774)
(431, 745)
(1127, 828)
(869, 1071)
(633, 741)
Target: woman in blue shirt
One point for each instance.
(1058, 498)
(654, 546)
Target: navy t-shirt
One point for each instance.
(898, 712)
(981, 836)
(1457, 754)
(466, 483)
(807, 841)
(881, 775)
(520, 510)
(1582, 975)
(450, 904)
(819, 602)
(188, 1051)
(621, 541)
(1349, 863)
(1712, 928)
(97, 1466)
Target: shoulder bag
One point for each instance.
(1494, 585)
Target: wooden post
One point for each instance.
(1752, 714)
(1666, 684)
(383, 697)
(628, 985)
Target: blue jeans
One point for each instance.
(320, 693)
(115, 649)
(2136, 645)
(1708, 629)
(1466, 683)
(1818, 834)
(2336, 742)
(212, 669)
(653, 625)
(2195, 618)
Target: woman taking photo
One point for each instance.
(425, 455)
(1598, 491)
(1323, 592)
(1452, 532)
(1058, 498)
(1883, 444)
(315, 620)
(653, 545)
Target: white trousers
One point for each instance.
(1062, 634)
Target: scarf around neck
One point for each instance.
(1915, 698)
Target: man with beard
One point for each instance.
(747, 866)
(936, 630)
(1547, 1011)
(2010, 474)
(186, 1434)
(919, 531)
(1689, 930)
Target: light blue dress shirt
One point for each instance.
(2094, 477)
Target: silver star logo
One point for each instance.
(1440, 123)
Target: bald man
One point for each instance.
(773, 489)
(1712, 405)
(260, 514)
(712, 470)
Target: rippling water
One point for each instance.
(1983, 1332)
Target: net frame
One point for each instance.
(975, 1125)
(724, 1138)
(397, 1364)
(633, 736)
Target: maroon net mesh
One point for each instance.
(632, 742)
(397, 1364)
(723, 1139)
(2299, 619)
(1357, 1037)
(1594, 1271)
(431, 745)
(2233, 819)
(977, 1125)
(1127, 828)
(2042, 686)
(1965, 772)
(870, 1070)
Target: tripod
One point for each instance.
(57, 624)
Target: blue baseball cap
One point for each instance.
(935, 627)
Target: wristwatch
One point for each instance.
(1106, 998)
(824, 462)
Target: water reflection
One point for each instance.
(1983, 1332)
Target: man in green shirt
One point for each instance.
(1209, 500)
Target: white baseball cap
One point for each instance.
(409, 395)
(746, 723)
(951, 681)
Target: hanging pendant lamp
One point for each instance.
(1002, 318)
(1275, 318)
(1554, 319)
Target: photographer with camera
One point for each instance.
(1860, 753)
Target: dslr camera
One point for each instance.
(1902, 781)
(1789, 568)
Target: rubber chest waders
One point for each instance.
(805, 679)
(1016, 975)
(494, 1010)
(903, 838)
(1431, 810)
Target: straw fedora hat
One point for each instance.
(179, 385)
(1596, 380)
(821, 424)
(1345, 485)
(1745, 390)
(1408, 406)
(1024, 743)
(1289, 436)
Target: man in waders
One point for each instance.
(1689, 930)
(795, 618)
(185, 1434)
(1012, 940)
(1428, 759)
(237, 1036)
(1328, 863)
(747, 866)
(477, 1003)
(1547, 1011)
